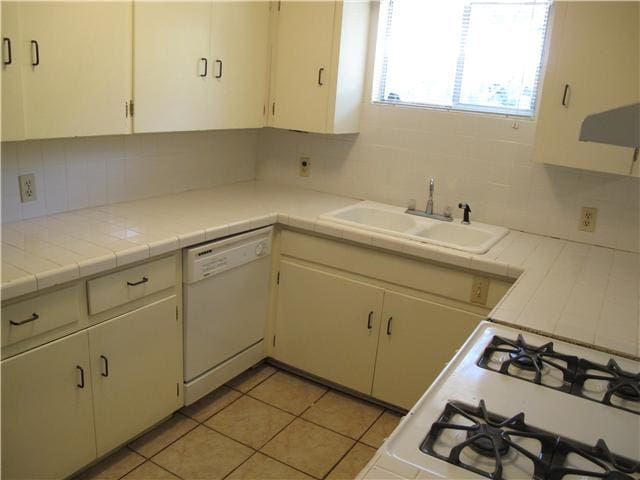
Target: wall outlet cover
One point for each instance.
(588, 216)
(305, 166)
(27, 187)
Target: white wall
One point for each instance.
(83, 172)
(479, 159)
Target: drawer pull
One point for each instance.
(81, 384)
(140, 282)
(369, 320)
(389, 325)
(33, 317)
(105, 362)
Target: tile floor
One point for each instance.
(264, 424)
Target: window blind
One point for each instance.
(469, 55)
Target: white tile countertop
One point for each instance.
(583, 293)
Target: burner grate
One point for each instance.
(530, 358)
(620, 384)
(494, 437)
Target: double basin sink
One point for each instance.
(475, 238)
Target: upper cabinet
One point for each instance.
(200, 65)
(12, 114)
(318, 74)
(593, 66)
(70, 69)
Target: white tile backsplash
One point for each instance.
(480, 159)
(77, 173)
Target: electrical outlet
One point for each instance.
(305, 166)
(479, 290)
(588, 217)
(27, 187)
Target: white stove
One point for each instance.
(519, 405)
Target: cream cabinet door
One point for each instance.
(593, 65)
(77, 79)
(417, 338)
(172, 66)
(327, 325)
(136, 371)
(13, 54)
(303, 57)
(239, 56)
(47, 413)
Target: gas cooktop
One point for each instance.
(513, 405)
(606, 383)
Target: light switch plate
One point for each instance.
(479, 290)
(27, 187)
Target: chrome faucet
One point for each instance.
(429, 209)
(428, 212)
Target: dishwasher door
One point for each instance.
(226, 288)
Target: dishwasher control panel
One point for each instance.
(216, 257)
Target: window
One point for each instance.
(482, 56)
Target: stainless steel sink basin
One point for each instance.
(474, 238)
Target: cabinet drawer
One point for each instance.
(37, 315)
(121, 287)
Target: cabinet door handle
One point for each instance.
(206, 66)
(7, 41)
(219, 62)
(389, 325)
(139, 282)
(34, 43)
(81, 384)
(320, 72)
(33, 317)
(370, 320)
(105, 363)
(565, 95)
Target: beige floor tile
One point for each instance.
(288, 392)
(210, 404)
(381, 429)
(308, 447)
(352, 463)
(250, 421)
(114, 466)
(150, 471)
(264, 468)
(202, 454)
(252, 377)
(343, 413)
(168, 432)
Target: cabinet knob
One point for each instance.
(389, 325)
(370, 320)
(320, 72)
(139, 282)
(35, 48)
(206, 65)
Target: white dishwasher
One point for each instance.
(226, 288)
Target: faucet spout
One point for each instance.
(429, 209)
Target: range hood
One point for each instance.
(619, 126)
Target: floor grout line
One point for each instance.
(254, 451)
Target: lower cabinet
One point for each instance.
(362, 336)
(134, 370)
(417, 338)
(328, 325)
(47, 410)
(70, 401)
